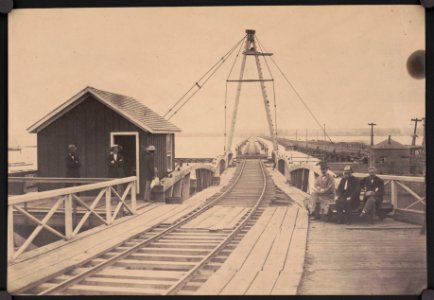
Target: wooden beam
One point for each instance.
(38, 222)
(11, 244)
(68, 217)
(14, 200)
(57, 179)
(38, 229)
(108, 205)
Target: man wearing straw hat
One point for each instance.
(116, 162)
(374, 191)
(323, 193)
(72, 162)
(116, 166)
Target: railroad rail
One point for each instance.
(168, 258)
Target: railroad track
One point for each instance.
(170, 258)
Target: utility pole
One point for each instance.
(372, 133)
(415, 120)
(324, 132)
(296, 136)
(306, 137)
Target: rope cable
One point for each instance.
(196, 84)
(296, 92)
(226, 100)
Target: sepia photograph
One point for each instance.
(227, 150)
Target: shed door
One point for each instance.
(130, 150)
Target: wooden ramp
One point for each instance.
(268, 260)
(386, 258)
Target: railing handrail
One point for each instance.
(30, 197)
(393, 177)
(57, 179)
(167, 182)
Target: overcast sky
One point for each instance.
(347, 62)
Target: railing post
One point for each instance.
(11, 245)
(393, 194)
(68, 216)
(133, 196)
(108, 205)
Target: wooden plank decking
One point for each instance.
(364, 259)
(268, 260)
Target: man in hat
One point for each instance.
(116, 162)
(323, 193)
(72, 162)
(348, 193)
(150, 171)
(374, 191)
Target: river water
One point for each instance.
(198, 147)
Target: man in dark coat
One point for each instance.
(374, 191)
(348, 193)
(72, 162)
(150, 171)
(116, 163)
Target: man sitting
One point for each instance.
(374, 191)
(323, 193)
(348, 193)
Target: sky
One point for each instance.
(348, 63)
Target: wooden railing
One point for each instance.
(178, 184)
(402, 183)
(61, 200)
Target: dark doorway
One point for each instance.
(128, 143)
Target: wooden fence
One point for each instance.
(61, 200)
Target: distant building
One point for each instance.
(391, 157)
(94, 120)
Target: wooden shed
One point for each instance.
(94, 120)
(391, 157)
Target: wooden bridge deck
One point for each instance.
(364, 259)
(279, 250)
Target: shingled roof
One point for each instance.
(126, 106)
(389, 143)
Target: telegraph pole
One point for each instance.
(372, 133)
(324, 132)
(415, 120)
(296, 136)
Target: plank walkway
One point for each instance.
(386, 258)
(268, 260)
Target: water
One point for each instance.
(199, 147)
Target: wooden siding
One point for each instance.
(88, 126)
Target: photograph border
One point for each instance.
(44, 4)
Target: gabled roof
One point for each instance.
(126, 106)
(392, 145)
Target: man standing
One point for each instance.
(116, 166)
(72, 162)
(150, 170)
(116, 162)
(323, 192)
(374, 191)
(348, 193)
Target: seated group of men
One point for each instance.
(347, 195)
